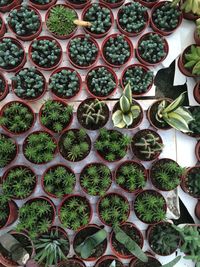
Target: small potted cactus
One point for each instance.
(42, 4)
(95, 179)
(101, 18)
(74, 144)
(92, 114)
(3, 87)
(2, 27)
(83, 51)
(29, 84)
(109, 261)
(65, 83)
(190, 183)
(101, 82)
(8, 150)
(12, 54)
(55, 115)
(45, 53)
(132, 19)
(16, 117)
(78, 4)
(25, 22)
(152, 49)
(147, 145)
(117, 50)
(148, 3)
(139, 77)
(7, 5)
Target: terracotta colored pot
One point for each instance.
(113, 5)
(78, 6)
(197, 210)
(42, 7)
(108, 257)
(134, 261)
(6, 89)
(184, 181)
(16, 149)
(71, 263)
(197, 150)
(3, 27)
(13, 214)
(196, 37)
(8, 7)
(196, 92)
(148, 4)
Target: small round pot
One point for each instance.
(108, 258)
(8, 7)
(197, 210)
(139, 234)
(182, 61)
(196, 92)
(27, 37)
(196, 37)
(95, 35)
(155, 27)
(45, 68)
(87, 85)
(113, 5)
(16, 150)
(184, 182)
(23, 61)
(12, 214)
(3, 27)
(71, 60)
(197, 150)
(131, 34)
(154, 262)
(57, 36)
(130, 48)
(76, 5)
(73, 262)
(6, 89)
(148, 4)
(42, 7)
(92, 229)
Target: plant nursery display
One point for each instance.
(189, 61)
(8, 150)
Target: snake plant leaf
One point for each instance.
(86, 248)
(124, 104)
(128, 92)
(177, 122)
(117, 117)
(128, 118)
(173, 262)
(185, 114)
(135, 110)
(175, 104)
(113, 264)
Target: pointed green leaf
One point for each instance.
(124, 104)
(190, 64)
(121, 124)
(128, 92)
(196, 69)
(185, 114)
(128, 118)
(173, 262)
(117, 117)
(177, 122)
(175, 104)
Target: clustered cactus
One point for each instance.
(65, 83)
(24, 21)
(116, 50)
(83, 51)
(29, 83)
(132, 17)
(8, 150)
(193, 182)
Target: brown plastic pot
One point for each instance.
(12, 4)
(16, 149)
(196, 37)
(27, 37)
(197, 150)
(113, 5)
(73, 262)
(196, 92)
(134, 261)
(42, 7)
(13, 214)
(6, 89)
(149, 4)
(76, 5)
(3, 27)
(184, 181)
(111, 258)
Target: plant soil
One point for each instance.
(107, 262)
(152, 262)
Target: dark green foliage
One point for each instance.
(75, 212)
(17, 117)
(83, 51)
(59, 180)
(56, 115)
(45, 53)
(130, 176)
(166, 17)
(7, 150)
(61, 20)
(11, 54)
(193, 181)
(24, 21)
(5, 2)
(139, 79)
(65, 83)
(19, 182)
(112, 144)
(113, 209)
(4, 209)
(117, 50)
(28, 83)
(150, 206)
(152, 48)
(96, 178)
(41, 2)
(132, 17)
(195, 124)
(100, 17)
(101, 81)
(39, 147)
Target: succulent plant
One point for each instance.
(116, 50)
(192, 60)
(194, 125)
(8, 150)
(4, 209)
(83, 51)
(24, 21)
(188, 6)
(192, 181)
(29, 83)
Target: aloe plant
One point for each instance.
(192, 59)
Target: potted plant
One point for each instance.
(45, 53)
(101, 18)
(189, 61)
(152, 49)
(147, 145)
(83, 51)
(72, 263)
(36, 216)
(148, 3)
(42, 4)
(109, 261)
(165, 17)
(150, 206)
(3, 87)
(29, 84)
(51, 247)
(65, 83)
(127, 113)
(58, 181)
(74, 145)
(16, 117)
(25, 22)
(117, 50)
(101, 82)
(132, 19)
(8, 211)
(194, 125)
(152, 261)
(56, 115)
(113, 209)
(12, 55)
(113, 3)
(196, 92)
(2, 26)
(90, 242)
(197, 151)
(19, 182)
(190, 8)
(190, 183)
(111, 145)
(197, 32)
(75, 212)
(39, 147)
(8, 150)
(165, 113)
(78, 4)
(131, 176)
(7, 5)
(95, 179)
